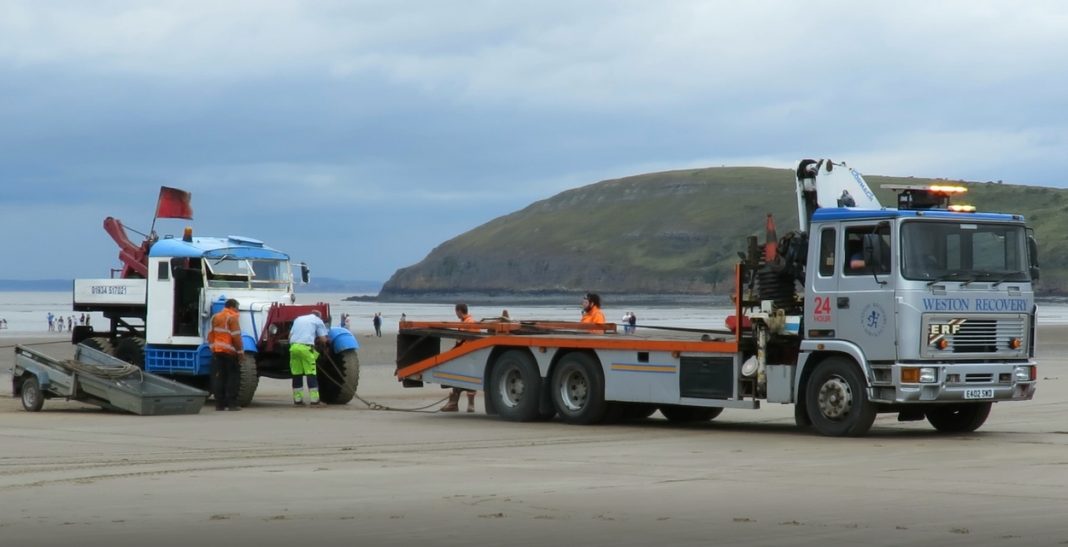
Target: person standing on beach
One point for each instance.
(377, 322)
(226, 349)
(633, 322)
(454, 398)
(307, 332)
(591, 309)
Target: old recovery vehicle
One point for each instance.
(926, 311)
(160, 304)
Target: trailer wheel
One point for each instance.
(339, 375)
(578, 389)
(679, 413)
(32, 398)
(248, 379)
(515, 386)
(101, 344)
(132, 350)
(958, 418)
(837, 401)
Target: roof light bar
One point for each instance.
(934, 196)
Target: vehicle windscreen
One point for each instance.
(248, 273)
(939, 251)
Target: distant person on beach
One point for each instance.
(633, 322)
(454, 398)
(51, 325)
(626, 323)
(591, 309)
(377, 322)
(404, 317)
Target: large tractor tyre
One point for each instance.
(958, 418)
(682, 414)
(837, 400)
(249, 379)
(339, 376)
(132, 350)
(101, 344)
(515, 387)
(578, 389)
(32, 397)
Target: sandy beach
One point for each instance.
(278, 475)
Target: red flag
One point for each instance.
(174, 203)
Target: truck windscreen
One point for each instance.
(963, 251)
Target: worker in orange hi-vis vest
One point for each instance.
(591, 309)
(454, 398)
(226, 350)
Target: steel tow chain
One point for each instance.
(371, 404)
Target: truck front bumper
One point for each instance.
(954, 382)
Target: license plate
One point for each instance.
(979, 393)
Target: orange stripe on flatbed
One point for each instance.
(554, 342)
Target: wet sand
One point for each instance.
(278, 475)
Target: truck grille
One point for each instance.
(988, 335)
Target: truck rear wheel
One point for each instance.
(958, 418)
(578, 389)
(339, 375)
(249, 379)
(515, 386)
(32, 397)
(678, 413)
(837, 401)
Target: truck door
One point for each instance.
(864, 303)
(160, 305)
(821, 317)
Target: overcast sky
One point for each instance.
(358, 135)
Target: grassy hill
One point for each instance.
(676, 232)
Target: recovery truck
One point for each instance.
(926, 311)
(160, 305)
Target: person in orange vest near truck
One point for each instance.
(454, 398)
(226, 350)
(591, 309)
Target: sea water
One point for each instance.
(27, 312)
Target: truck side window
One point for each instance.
(163, 271)
(827, 252)
(854, 251)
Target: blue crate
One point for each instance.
(190, 361)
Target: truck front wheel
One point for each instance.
(837, 400)
(578, 389)
(515, 386)
(958, 418)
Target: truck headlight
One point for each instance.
(919, 375)
(1022, 374)
(928, 375)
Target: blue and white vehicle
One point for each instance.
(160, 309)
(926, 310)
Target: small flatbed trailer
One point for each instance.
(99, 379)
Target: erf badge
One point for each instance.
(936, 332)
(873, 319)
